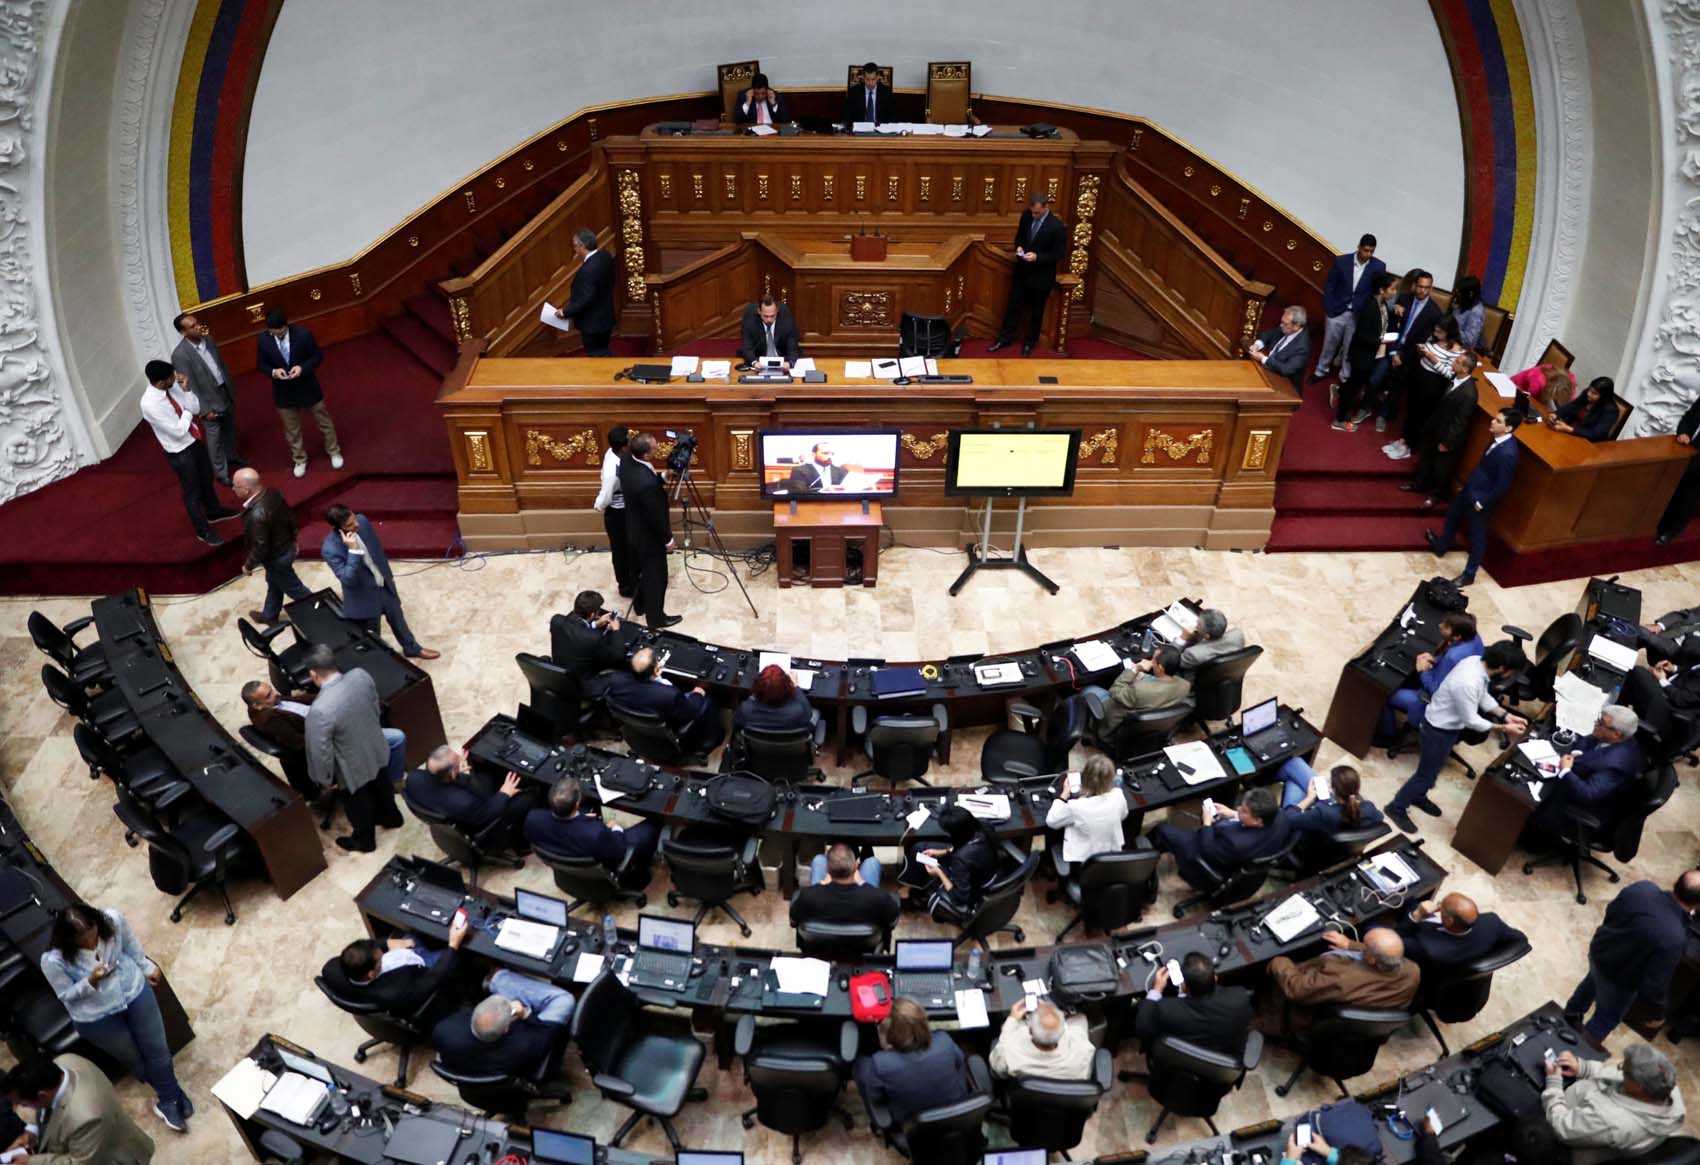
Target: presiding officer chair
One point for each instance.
(901, 747)
(854, 76)
(950, 88)
(1189, 1080)
(733, 79)
(1052, 1114)
(638, 1058)
(796, 1076)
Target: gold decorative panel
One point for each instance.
(796, 188)
(1292, 244)
(537, 443)
(1052, 186)
(743, 449)
(315, 294)
(1085, 209)
(696, 187)
(1137, 134)
(1215, 189)
(1248, 326)
(926, 189)
(256, 312)
(1188, 171)
(1105, 445)
(761, 187)
(631, 232)
(947, 299)
(1316, 265)
(925, 450)
(595, 130)
(471, 202)
(663, 450)
(891, 185)
(528, 165)
(826, 184)
(1020, 189)
(861, 187)
(354, 281)
(989, 189)
(865, 309)
(665, 182)
(956, 188)
(461, 313)
(478, 451)
(413, 240)
(1256, 449)
(1268, 225)
(1245, 205)
(501, 183)
(731, 186)
(1197, 445)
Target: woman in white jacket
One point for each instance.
(1091, 821)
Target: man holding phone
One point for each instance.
(1204, 1013)
(1227, 840)
(1037, 1040)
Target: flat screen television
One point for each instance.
(1012, 463)
(828, 464)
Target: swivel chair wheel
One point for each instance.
(131, 840)
(230, 918)
(177, 915)
(1528, 868)
(360, 1055)
(672, 898)
(1020, 935)
(1581, 899)
(744, 930)
(1180, 912)
(1283, 1089)
(749, 1122)
(1611, 876)
(642, 901)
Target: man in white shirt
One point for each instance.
(198, 358)
(611, 504)
(170, 408)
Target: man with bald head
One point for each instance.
(691, 715)
(1634, 953)
(1374, 973)
(268, 525)
(1452, 933)
(520, 1027)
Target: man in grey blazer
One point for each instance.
(1283, 350)
(348, 746)
(198, 358)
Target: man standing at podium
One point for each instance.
(768, 330)
(870, 100)
(591, 306)
(1040, 239)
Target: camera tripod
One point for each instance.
(685, 492)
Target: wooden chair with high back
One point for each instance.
(949, 90)
(734, 78)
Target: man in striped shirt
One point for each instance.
(1462, 701)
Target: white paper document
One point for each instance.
(1198, 756)
(548, 316)
(990, 675)
(1096, 655)
(917, 817)
(607, 793)
(1392, 870)
(1390, 337)
(862, 127)
(244, 1087)
(912, 365)
(1409, 613)
(522, 936)
(716, 369)
(767, 659)
(1501, 384)
(803, 678)
(1035, 987)
(981, 131)
(803, 364)
(763, 131)
(1174, 624)
(955, 131)
(858, 369)
(1579, 703)
(971, 1008)
(296, 1098)
(796, 976)
(1291, 918)
(886, 369)
(684, 365)
(588, 967)
(1612, 653)
(985, 806)
(1541, 754)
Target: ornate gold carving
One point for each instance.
(947, 71)
(665, 182)
(989, 188)
(471, 202)
(1137, 134)
(631, 231)
(477, 451)
(743, 449)
(595, 131)
(1052, 185)
(664, 450)
(826, 184)
(460, 312)
(655, 314)
(1268, 225)
(561, 144)
(961, 280)
(784, 294)
(924, 450)
(947, 299)
(1215, 189)
(501, 183)
(413, 240)
(1316, 265)
(1062, 330)
(956, 188)
(1020, 189)
(891, 185)
(1245, 205)
(761, 187)
(696, 187)
(926, 188)
(1106, 445)
(1085, 209)
(528, 165)
(766, 283)
(796, 188)
(537, 443)
(354, 281)
(1200, 443)
(1256, 449)
(865, 309)
(315, 294)
(1292, 244)
(256, 312)
(731, 187)
(1248, 325)
(861, 187)
(1188, 171)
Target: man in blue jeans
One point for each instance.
(520, 1027)
(1458, 640)
(1633, 954)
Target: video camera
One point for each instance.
(684, 448)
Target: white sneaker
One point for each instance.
(300, 469)
(1399, 454)
(336, 461)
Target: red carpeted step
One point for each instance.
(1349, 532)
(1344, 495)
(403, 497)
(421, 342)
(433, 311)
(419, 537)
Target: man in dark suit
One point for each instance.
(1417, 314)
(760, 105)
(198, 358)
(691, 715)
(1344, 293)
(768, 330)
(868, 99)
(1040, 240)
(519, 1030)
(284, 723)
(291, 357)
(590, 306)
(357, 558)
(1366, 354)
(1686, 499)
(648, 530)
(268, 526)
(1487, 483)
(588, 643)
(400, 976)
(1284, 348)
(625, 853)
(1594, 777)
(1204, 1013)
(818, 474)
(1452, 932)
(1443, 437)
(1229, 840)
(448, 787)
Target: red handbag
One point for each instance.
(870, 996)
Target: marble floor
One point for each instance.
(1310, 612)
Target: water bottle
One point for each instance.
(610, 935)
(974, 959)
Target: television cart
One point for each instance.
(980, 557)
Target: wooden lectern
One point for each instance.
(826, 530)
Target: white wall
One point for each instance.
(365, 111)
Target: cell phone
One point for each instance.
(1551, 1058)
(1209, 808)
(1174, 968)
(1433, 1119)
(1074, 782)
(1032, 1002)
(927, 860)
(459, 918)
(1301, 1135)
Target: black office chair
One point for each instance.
(196, 852)
(471, 852)
(796, 1075)
(919, 335)
(1553, 653)
(1217, 687)
(503, 1094)
(294, 768)
(385, 1027)
(107, 713)
(841, 942)
(1144, 732)
(1673, 1151)
(1458, 994)
(645, 1061)
(145, 772)
(947, 1134)
(280, 1149)
(1226, 887)
(998, 905)
(648, 736)
(287, 669)
(556, 699)
(1409, 738)
(1052, 1114)
(86, 666)
(37, 1022)
(1318, 851)
(1109, 890)
(784, 758)
(587, 882)
(901, 747)
(710, 871)
(1011, 754)
(1342, 1042)
(1189, 1080)
(1587, 831)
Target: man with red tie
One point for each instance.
(169, 406)
(760, 105)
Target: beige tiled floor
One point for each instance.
(1311, 612)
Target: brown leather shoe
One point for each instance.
(254, 616)
(426, 653)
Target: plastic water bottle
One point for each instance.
(974, 959)
(610, 935)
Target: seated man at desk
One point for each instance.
(626, 853)
(1043, 1043)
(1228, 839)
(519, 1030)
(1458, 640)
(589, 643)
(760, 105)
(1373, 973)
(1210, 639)
(768, 331)
(1452, 932)
(1667, 690)
(1153, 682)
(842, 890)
(1669, 631)
(1204, 1013)
(480, 808)
(691, 715)
(284, 723)
(1613, 1114)
(400, 976)
(818, 474)
(868, 99)
(1594, 775)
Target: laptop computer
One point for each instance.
(436, 891)
(867, 807)
(663, 959)
(1016, 1157)
(1262, 732)
(898, 681)
(923, 971)
(685, 659)
(697, 1157)
(549, 1147)
(540, 908)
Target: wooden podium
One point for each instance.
(826, 530)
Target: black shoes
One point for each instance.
(1400, 818)
(665, 621)
(211, 538)
(1427, 806)
(1463, 580)
(998, 345)
(1435, 544)
(1664, 539)
(1027, 349)
(354, 847)
(259, 618)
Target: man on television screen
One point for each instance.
(818, 473)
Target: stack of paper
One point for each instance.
(716, 369)
(1199, 757)
(912, 366)
(858, 369)
(1292, 917)
(1611, 653)
(548, 316)
(1579, 703)
(886, 369)
(971, 1008)
(1541, 754)
(522, 936)
(796, 976)
(955, 131)
(244, 1087)
(296, 1098)
(862, 127)
(684, 365)
(1096, 655)
(767, 659)
(803, 364)
(588, 967)
(985, 806)
(763, 131)
(981, 131)
(1501, 383)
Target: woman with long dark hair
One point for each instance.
(1467, 309)
(1592, 414)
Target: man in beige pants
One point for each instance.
(291, 357)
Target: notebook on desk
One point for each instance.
(898, 681)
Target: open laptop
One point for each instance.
(549, 1147)
(857, 807)
(540, 908)
(663, 958)
(1262, 732)
(923, 971)
(436, 893)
